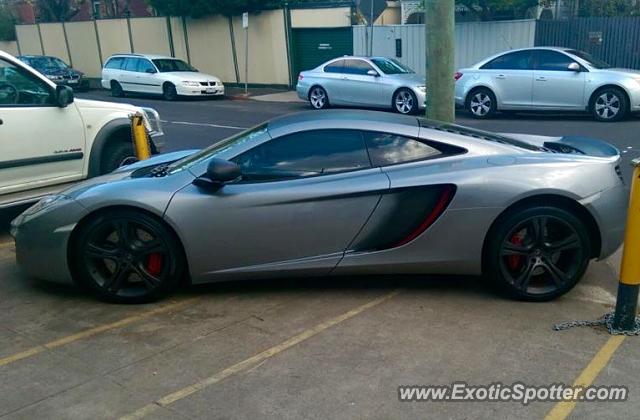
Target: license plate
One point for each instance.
(210, 90)
(73, 82)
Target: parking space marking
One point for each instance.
(254, 360)
(230, 127)
(563, 409)
(92, 331)
(6, 244)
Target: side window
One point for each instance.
(357, 67)
(131, 64)
(19, 87)
(114, 63)
(308, 153)
(519, 60)
(145, 65)
(335, 67)
(390, 149)
(552, 60)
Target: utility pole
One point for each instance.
(439, 29)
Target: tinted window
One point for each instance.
(167, 65)
(131, 64)
(305, 154)
(519, 60)
(552, 60)
(145, 65)
(19, 87)
(114, 63)
(593, 62)
(357, 67)
(335, 67)
(389, 149)
(391, 66)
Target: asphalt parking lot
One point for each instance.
(307, 348)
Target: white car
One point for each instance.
(48, 140)
(548, 79)
(156, 74)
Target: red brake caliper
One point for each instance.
(154, 264)
(515, 261)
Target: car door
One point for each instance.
(129, 75)
(511, 78)
(332, 80)
(554, 85)
(361, 88)
(40, 143)
(146, 78)
(302, 200)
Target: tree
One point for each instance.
(58, 10)
(7, 24)
(586, 8)
(493, 9)
(199, 8)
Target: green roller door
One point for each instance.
(313, 46)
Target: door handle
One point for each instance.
(541, 79)
(501, 76)
(1, 122)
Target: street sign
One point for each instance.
(245, 20)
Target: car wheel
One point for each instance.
(538, 254)
(405, 102)
(115, 155)
(116, 89)
(318, 98)
(609, 105)
(169, 92)
(481, 103)
(126, 256)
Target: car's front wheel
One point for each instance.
(318, 97)
(609, 105)
(126, 256)
(405, 102)
(537, 254)
(169, 92)
(116, 154)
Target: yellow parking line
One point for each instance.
(91, 332)
(562, 409)
(254, 360)
(6, 244)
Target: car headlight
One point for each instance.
(191, 84)
(44, 203)
(152, 122)
(422, 89)
(55, 78)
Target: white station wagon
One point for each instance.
(156, 74)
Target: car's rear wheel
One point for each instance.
(127, 256)
(318, 97)
(538, 254)
(481, 103)
(169, 92)
(116, 89)
(609, 104)
(405, 102)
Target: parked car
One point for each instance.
(337, 192)
(548, 79)
(156, 74)
(48, 139)
(376, 82)
(56, 70)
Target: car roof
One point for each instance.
(341, 116)
(148, 56)
(36, 56)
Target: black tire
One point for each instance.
(169, 92)
(318, 98)
(481, 103)
(116, 89)
(405, 102)
(609, 105)
(115, 155)
(537, 267)
(127, 256)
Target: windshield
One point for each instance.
(218, 148)
(166, 65)
(591, 60)
(46, 63)
(391, 66)
(479, 134)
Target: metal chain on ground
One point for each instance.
(606, 320)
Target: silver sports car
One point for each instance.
(341, 193)
(376, 82)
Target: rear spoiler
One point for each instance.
(569, 144)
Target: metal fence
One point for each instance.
(474, 41)
(615, 40)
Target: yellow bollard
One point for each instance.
(140, 137)
(627, 302)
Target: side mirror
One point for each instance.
(150, 71)
(219, 172)
(574, 67)
(373, 73)
(64, 96)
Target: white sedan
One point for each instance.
(154, 74)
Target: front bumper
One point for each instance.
(42, 241)
(217, 90)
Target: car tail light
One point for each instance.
(300, 76)
(457, 76)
